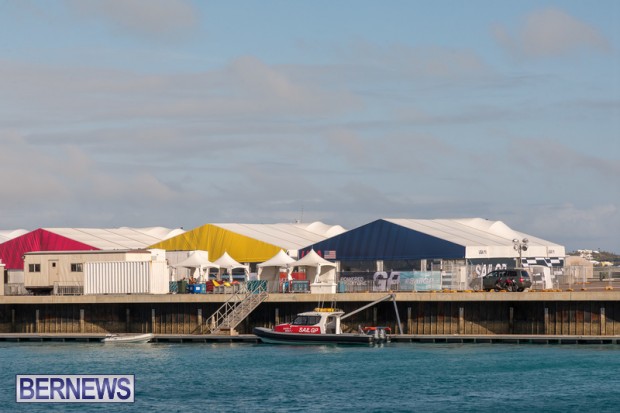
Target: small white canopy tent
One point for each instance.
(270, 270)
(227, 262)
(199, 261)
(274, 265)
(324, 272)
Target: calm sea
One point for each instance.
(393, 378)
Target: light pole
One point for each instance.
(520, 246)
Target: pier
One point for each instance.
(394, 338)
(436, 316)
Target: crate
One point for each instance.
(300, 286)
(197, 288)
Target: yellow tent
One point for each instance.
(217, 241)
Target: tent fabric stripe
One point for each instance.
(217, 241)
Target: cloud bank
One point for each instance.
(551, 33)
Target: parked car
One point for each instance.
(509, 280)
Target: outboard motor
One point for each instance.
(382, 336)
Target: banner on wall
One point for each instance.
(420, 280)
(391, 281)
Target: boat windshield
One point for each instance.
(306, 320)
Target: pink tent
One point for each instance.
(12, 251)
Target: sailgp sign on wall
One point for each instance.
(420, 280)
(393, 280)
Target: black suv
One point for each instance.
(509, 280)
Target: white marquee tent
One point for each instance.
(228, 263)
(314, 260)
(276, 263)
(199, 261)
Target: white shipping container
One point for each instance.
(125, 277)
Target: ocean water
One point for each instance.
(271, 378)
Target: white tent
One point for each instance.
(312, 259)
(278, 261)
(227, 262)
(198, 260)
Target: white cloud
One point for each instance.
(404, 61)
(248, 89)
(30, 174)
(568, 163)
(65, 181)
(571, 225)
(143, 17)
(549, 33)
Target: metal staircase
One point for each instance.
(238, 307)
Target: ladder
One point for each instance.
(238, 307)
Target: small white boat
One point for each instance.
(128, 338)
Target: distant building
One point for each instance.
(387, 246)
(12, 252)
(96, 272)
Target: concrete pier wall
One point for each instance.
(479, 313)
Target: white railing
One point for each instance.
(68, 288)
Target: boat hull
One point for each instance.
(132, 338)
(269, 336)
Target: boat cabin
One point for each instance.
(319, 321)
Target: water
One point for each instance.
(393, 378)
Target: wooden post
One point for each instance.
(81, 320)
(546, 320)
(374, 316)
(603, 322)
(511, 321)
(200, 321)
(127, 320)
(153, 320)
(409, 321)
(36, 321)
(12, 320)
(277, 317)
(461, 320)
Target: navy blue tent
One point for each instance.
(383, 240)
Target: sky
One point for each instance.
(179, 113)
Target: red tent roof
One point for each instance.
(12, 251)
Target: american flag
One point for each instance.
(329, 255)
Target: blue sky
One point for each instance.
(180, 113)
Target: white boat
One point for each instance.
(128, 338)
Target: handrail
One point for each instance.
(237, 307)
